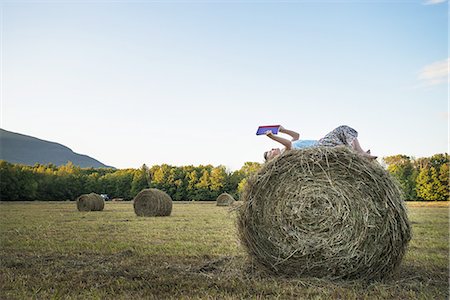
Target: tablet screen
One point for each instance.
(262, 129)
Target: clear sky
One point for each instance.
(189, 82)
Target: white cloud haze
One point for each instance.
(435, 73)
(431, 2)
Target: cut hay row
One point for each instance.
(90, 202)
(224, 199)
(324, 212)
(152, 203)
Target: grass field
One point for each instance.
(49, 250)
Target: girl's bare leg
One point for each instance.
(356, 146)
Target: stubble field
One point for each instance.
(49, 250)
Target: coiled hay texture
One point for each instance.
(324, 212)
(90, 202)
(152, 202)
(224, 199)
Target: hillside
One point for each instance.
(28, 150)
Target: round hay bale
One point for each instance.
(152, 202)
(324, 212)
(224, 199)
(90, 202)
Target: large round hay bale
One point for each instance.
(224, 199)
(90, 202)
(152, 202)
(324, 212)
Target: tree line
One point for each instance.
(420, 179)
(67, 182)
(423, 178)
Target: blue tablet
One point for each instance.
(262, 129)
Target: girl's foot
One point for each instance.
(368, 155)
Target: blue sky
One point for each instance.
(189, 82)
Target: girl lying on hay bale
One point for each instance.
(342, 135)
(325, 212)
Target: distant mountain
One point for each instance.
(23, 149)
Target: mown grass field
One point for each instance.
(49, 250)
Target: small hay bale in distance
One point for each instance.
(224, 199)
(326, 213)
(90, 202)
(152, 203)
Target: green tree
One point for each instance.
(178, 183)
(247, 170)
(443, 189)
(9, 185)
(203, 186)
(192, 178)
(250, 168)
(117, 184)
(141, 180)
(92, 184)
(231, 183)
(428, 184)
(160, 177)
(217, 178)
(432, 182)
(402, 168)
(17, 182)
(438, 160)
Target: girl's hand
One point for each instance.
(268, 133)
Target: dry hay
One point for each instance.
(152, 202)
(324, 212)
(224, 199)
(90, 202)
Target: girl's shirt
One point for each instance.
(302, 144)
